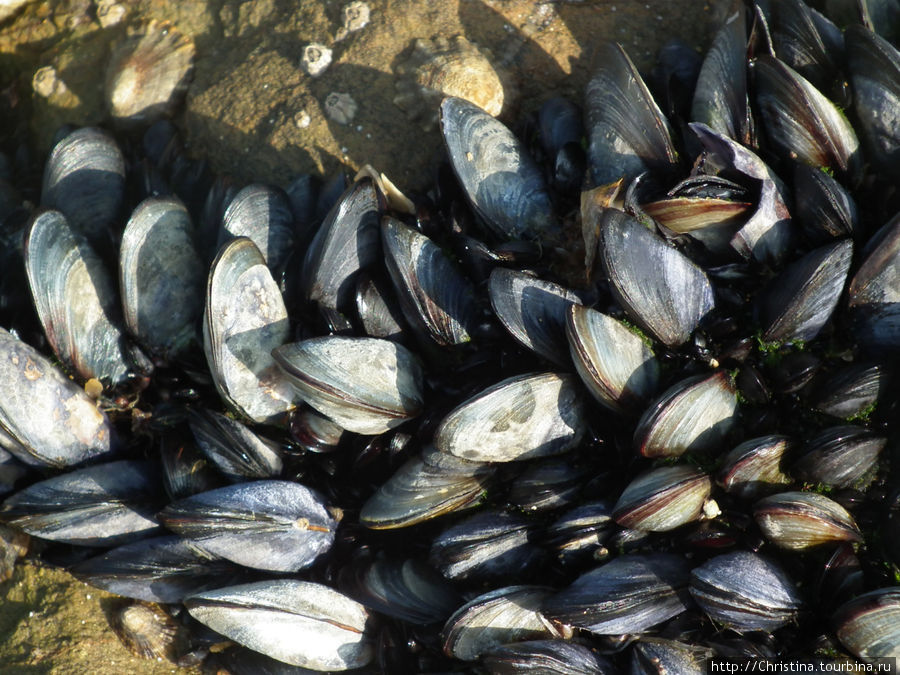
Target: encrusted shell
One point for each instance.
(148, 74)
(449, 67)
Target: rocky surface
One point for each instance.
(256, 113)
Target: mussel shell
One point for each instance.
(874, 66)
(800, 300)
(297, 622)
(656, 656)
(754, 467)
(271, 525)
(427, 486)
(366, 385)
(84, 178)
(161, 569)
(102, 505)
(808, 42)
(823, 206)
(581, 532)
(378, 309)
(629, 594)
(852, 390)
(148, 631)
(615, 364)
(548, 484)
(347, 241)
(800, 520)
(720, 97)
(49, 419)
(498, 617)
(263, 214)
(244, 320)
(76, 300)
(522, 417)
(745, 591)
(408, 590)
(663, 499)
(434, 295)
(874, 291)
(501, 181)
(839, 456)
(533, 311)
(694, 415)
(160, 276)
(488, 545)
(801, 122)
(627, 132)
(657, 285)
(233, 448)
(869, 626)
(560, 657)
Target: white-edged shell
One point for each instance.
(297, 622)
(522, 417)
(244, 320)
(442, 67)
(148, 74)
(366, 385)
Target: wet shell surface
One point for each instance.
(442, 67)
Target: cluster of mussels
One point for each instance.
(332, 425)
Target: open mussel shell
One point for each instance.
(627, 132)
(435, 297)
(753, 468)
(49, 420)
(874, 66)
(297, 622)
(347, 241)
(629, 594)
(501, 181)
(839, 456)
(160, 276)
(800, 520)
(657, 285)
(261, 213)
(693, 415)
(84, 178)
(161, 569)
(616, 364)
(102, 505)
(767, 234)
(76, 300)
(488, 545)
(720, 97)
(408, 590)
(745, 591)
(874, 292)
(853, 390)
(148, 74)
(522, 417)
(366, 385)
(271, 525)
(869, 626)
(533, 311)
(657, 656)
(663, 499)
(430, 485)
(560, 657)
(498, 617)
(801, 122)
(799, 302)
(245, 319)
(824, 208)
(233, 448)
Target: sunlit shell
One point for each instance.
(148, 74)
(449, 67)
(148, 631)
